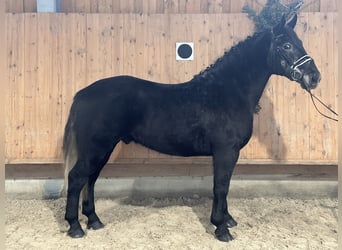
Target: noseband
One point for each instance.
(296, 74)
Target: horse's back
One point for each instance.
(111, 87)
(120, 101)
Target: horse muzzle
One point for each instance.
(305, 72)
(310, 81)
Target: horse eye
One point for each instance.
(287, 46)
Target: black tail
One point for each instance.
(69, 149)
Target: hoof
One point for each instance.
(223, 235)
(76, 233)
(231, 222)
(95, 225)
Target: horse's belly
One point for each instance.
(183, 143)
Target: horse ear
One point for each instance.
(277, 30)
(292, 21)
(282, 21)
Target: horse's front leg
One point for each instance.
(228, 219)
(224, 163)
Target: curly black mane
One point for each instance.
(234, 58)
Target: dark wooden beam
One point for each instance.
(46, 171)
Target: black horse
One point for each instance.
(210, 115)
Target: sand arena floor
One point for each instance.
(176, 223)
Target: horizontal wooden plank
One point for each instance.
(175, 160)
(34, 171)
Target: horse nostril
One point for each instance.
(315, 78)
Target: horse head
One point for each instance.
(287, 56)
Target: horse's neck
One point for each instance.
(243, 70)
(255, 82)
(253, 71)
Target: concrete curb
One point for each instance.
(178, 186)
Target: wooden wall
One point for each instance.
(163, 6)
(51, 56)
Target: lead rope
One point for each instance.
(326, 106)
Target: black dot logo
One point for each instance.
(184, 51)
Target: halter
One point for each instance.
(296, 74)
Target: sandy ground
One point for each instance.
(176, 223)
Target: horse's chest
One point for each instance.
(233, 130)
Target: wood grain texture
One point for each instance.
(50, 57)
(163, 6)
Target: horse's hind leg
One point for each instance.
(88, 204)
(88, 200)
(84, 175)
(76, 181)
